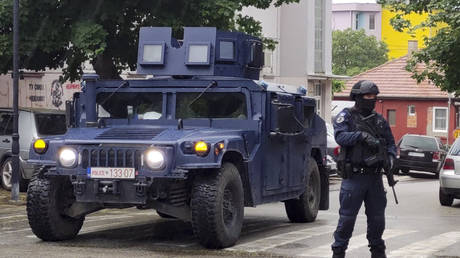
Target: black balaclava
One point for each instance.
(365, 106)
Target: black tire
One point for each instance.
(217, 206)
(405, 171)
(5, 175)
(165, 216)
(305, 208)
(46, 200)
(445, 199)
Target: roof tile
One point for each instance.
(395, 82)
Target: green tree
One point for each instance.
(354, 52)
(65, 33)
(441, 55)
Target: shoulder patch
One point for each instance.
(340, 118)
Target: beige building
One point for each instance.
(303, 54)
(37, 90)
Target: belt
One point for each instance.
(367, 171)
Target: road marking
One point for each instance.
(15, 216)
(426, 248)
(266, 243)
(355, 243)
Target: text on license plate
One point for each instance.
(103, 172)
(416, 154)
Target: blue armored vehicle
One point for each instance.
(199, 141)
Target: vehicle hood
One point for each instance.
(146, 134)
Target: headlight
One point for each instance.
(40, 146)
(68, 157)
(154, 159)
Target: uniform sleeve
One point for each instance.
(343, 133)
(391, 146)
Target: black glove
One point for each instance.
(370, 140)
(391, 162)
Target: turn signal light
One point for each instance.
(40, 146)
(201, 148)
(449, 164)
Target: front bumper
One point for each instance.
(132, 192)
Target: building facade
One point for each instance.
(410, 107)
(357, 16)
(303, 54)
(375, 21)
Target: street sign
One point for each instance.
(456, 133)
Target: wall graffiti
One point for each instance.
(38, 88)
(56, 93)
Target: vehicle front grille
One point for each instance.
(111, 157)
(130, 133)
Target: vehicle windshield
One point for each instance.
(50, 124)
(122, 105)
(211, 105)
(419, 142)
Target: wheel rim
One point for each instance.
(312, 191)
(229, 209)
(7, 172)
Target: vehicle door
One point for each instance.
(284, 160)
(6, 130)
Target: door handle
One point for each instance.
(6, 140)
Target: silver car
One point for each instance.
(32, 124)
(449, 177)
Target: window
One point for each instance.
(391, 115)
(419, 142)
(120, 105)
(317, 96)
(318, 89)
(190, 105)
(439, 119)
(6, 123)
(319, 34)
(372, 22)
(268, 56)
(411, 110)
(357, 21)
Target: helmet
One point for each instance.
(363, 87)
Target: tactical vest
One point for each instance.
(374, 125)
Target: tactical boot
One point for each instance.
(338, 252)
(378, 252)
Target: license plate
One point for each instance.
(118, 173)
(416, 154)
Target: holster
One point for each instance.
(344, 166)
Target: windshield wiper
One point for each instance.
(212, 84)
(122, 85)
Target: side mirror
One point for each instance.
(284, 119)
(69, 114)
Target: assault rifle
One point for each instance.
(382, 154)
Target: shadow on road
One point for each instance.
(171, 235)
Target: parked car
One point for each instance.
(449, 177)
(332, 150)
(420, 152)
(32, 125)
(332, 146)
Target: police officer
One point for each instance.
(357, 131)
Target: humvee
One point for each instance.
(199, 141)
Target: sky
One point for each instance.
(352, 1)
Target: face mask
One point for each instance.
(365, 105)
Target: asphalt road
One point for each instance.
(417, 227)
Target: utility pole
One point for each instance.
(15, 136)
